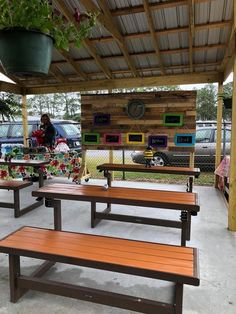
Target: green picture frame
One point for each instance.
(173, 119)
(91, 138)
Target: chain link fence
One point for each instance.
(97, 157)
(205, 148)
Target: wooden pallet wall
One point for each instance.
(156, 104)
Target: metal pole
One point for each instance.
(123, 162)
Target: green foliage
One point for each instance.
(40, 15)
(206, 103)
(63, 105)
(10, 106)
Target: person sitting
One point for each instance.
(148, 156)
(49, 132)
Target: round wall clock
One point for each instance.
(135, 109)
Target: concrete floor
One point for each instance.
(217, 251)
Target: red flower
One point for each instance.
(77, 16)
(54, 163)
(76, 169)
(62, 166)
(3, 174)
(21, 169)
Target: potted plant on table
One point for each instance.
(30, 28)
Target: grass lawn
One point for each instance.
(205, 178)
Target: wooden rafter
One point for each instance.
(153, 34)
(167, 31)
(228, 60)
(191, 32)
(57, 74)
(67, 13)
(106, 19)
(75, 65)
(74, 77)
(178, 79)
(153, 6)
(149, 53)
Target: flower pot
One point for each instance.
(227, 103)
(25, 52)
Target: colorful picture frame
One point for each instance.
(173, 119)
(135, 138)
(159, 141)
(91, 138)
(184, 139)
(101, 119)
(112, 138)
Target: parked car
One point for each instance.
(204, 151)
(12, 132)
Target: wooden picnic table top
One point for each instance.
(13, 184)
(26, 163)
(121, 195)
(154, 169)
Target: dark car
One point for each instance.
(12, 132)
(205, 148)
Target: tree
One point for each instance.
(10, 106)
(206, 102)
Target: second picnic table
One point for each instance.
(188, 171)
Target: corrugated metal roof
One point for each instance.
(124, 44)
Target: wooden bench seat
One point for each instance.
(152, 260)
(16, 186)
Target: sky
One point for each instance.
(183, 87)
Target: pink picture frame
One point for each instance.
(112, 138)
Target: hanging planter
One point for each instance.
(25, 52)
(227, 103)
(28, 30)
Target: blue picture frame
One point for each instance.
(184, 139)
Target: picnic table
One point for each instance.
(188, 171)
(181, 201)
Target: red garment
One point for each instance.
(38, 135)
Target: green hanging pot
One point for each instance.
(227, 103)
(25, 52)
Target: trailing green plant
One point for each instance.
(41, 16)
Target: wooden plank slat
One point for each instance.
(119, 195)
(13, 184)
(50, 245)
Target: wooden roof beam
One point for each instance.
(69, 16)
(146, 69)
(147, 53)
(191, 32)
(153, 6)
(106, 19)
(54, 71)
(11, 88)
(228, 60)
(177, 79)
(172, 67)
(168, 31)
(153, 34)
(74, 65)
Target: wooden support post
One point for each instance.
(25, 121)
(84, 172)
(219, 132)
(232, 177)
(191, 160)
